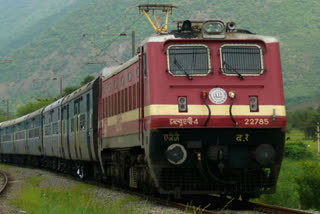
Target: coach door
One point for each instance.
(143, 73)
(68, 130)
(88, 126)
(63, 133)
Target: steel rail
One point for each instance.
(265, 208)
(3, 180)
(179, 205)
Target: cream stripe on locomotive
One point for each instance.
(200, 110)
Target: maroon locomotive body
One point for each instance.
(197, 111)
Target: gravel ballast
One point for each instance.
(18, 176)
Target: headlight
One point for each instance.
(213, 28)
(265, 154)
(176, 154)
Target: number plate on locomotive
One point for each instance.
(256, 122)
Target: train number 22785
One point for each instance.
(256, 121)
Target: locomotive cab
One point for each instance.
(214, 110)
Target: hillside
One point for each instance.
(61, 49)
(21, 21)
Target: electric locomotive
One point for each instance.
(200, 110)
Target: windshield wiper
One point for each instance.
(231, 68)
(175, 61)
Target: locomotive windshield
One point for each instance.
(241, 60)
(188, 60)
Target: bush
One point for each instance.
(296, 151)
(309, 185)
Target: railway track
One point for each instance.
(3, 181)
(264, 208)
(205, 204)
(229, 206)
(200, 204)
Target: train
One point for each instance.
(198, 110)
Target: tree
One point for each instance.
(304, 120)
(70, 89)
(87, 79)
(41, 102)
(33, 106)
(3, 115)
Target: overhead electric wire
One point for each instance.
(103, 50)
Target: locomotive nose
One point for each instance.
(176, 154)
(265, 154)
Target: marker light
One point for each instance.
(204, 94)
(232, 94)
(253, 103)
(182, 104)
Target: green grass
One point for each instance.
(299, 177)
(4, 167)
(78, 199)
(34, 181)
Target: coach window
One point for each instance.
(240, 59)
(137, 72)
(55, 128)
(82, 122)
(75, 110)
(72, 124)
(115, 84)
(188, 60)
(122, 80)
(129, 76)
(109, 87)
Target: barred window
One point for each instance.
(241, 59)
(20, 135)
(6, 138)
(55, 128)
(47, 130)
(188, 60)
(82, 121)
(34, 133)
(72, 124)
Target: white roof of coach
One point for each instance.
(14, 121)
(108, 72)
(78, 92)
(35, 113)
(53, 105)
